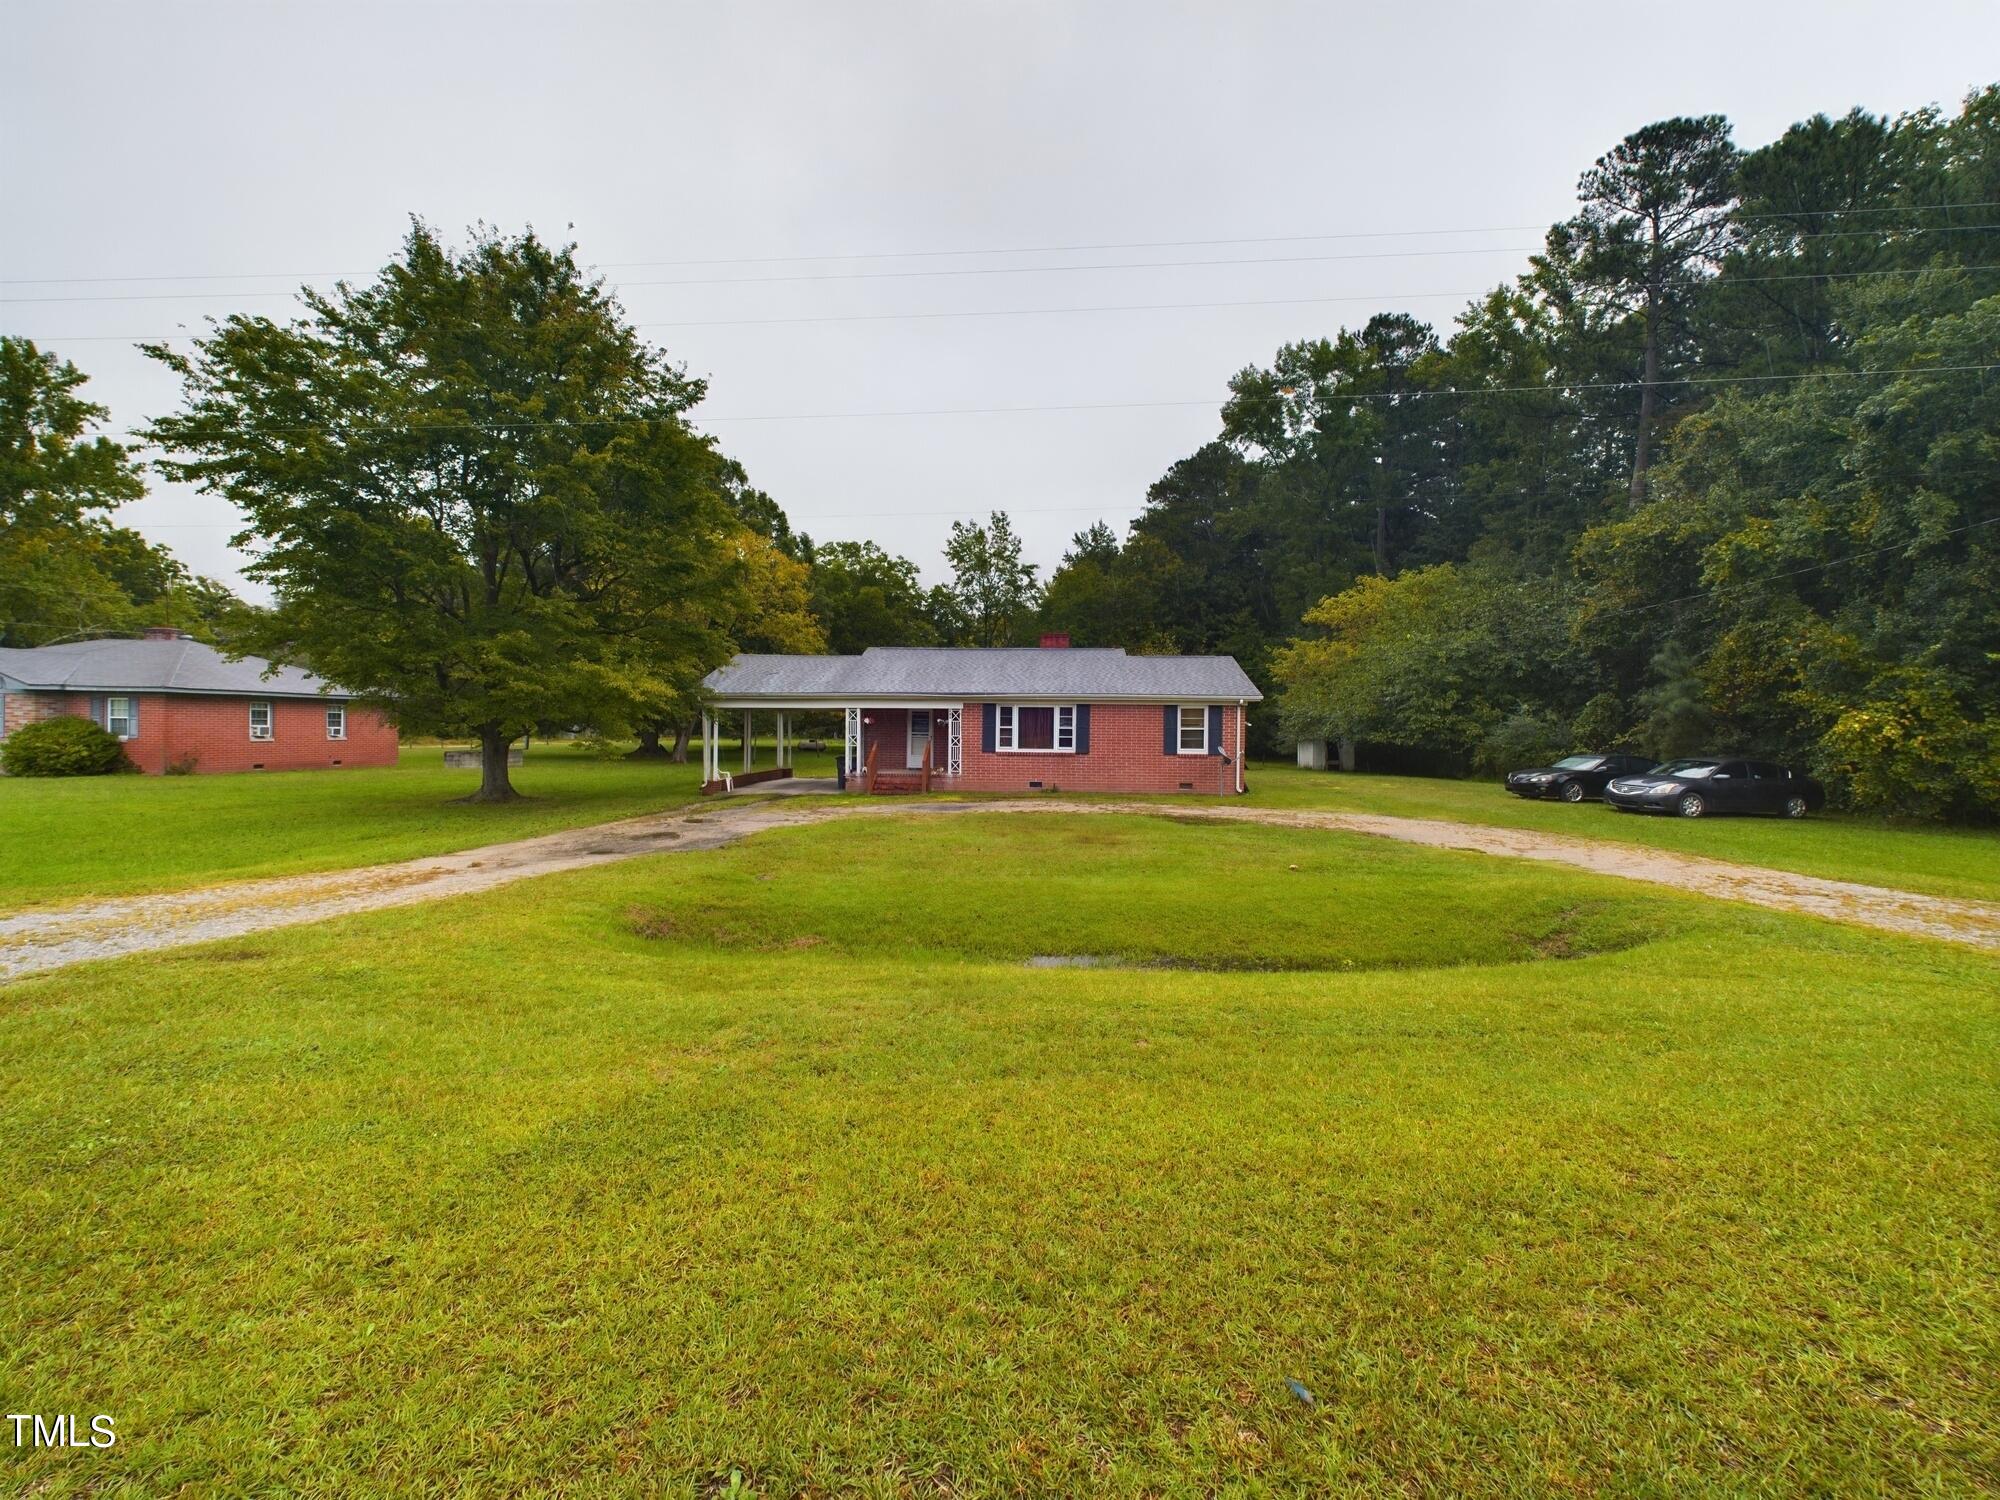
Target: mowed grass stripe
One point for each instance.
(510, 1194)
(111, 835)
(1936, 861)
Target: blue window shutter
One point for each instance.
(1214, 729)
(97, 709)
(1083, 729)
(1171, 744)
(989, 718)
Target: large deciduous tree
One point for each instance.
(865, 597)
(472, 490)
(66, 571)
(992, 595)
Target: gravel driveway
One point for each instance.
(33, 942)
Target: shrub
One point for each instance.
(64, 746)
(1526, 737)
(1912, 750)
(183, 765)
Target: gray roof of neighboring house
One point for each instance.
(1082, 673)
(155, 666)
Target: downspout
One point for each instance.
(1242, 740)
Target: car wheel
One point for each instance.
(1795, 807)
(1573, 791)
(1691, 806)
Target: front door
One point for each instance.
(920, 737)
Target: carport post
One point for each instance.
(749, 745)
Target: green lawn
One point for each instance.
(1938, 861)
(61, 840)
(110, 835)
(779, 1160)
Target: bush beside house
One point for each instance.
(63, 746)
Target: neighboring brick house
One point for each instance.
(1007, 719)
(178, 704)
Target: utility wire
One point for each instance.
(1125, 265)
(1553, 389)
(1267, 239)
(1024, 312)
(1727, 589)
(1128, 265)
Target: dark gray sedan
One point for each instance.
(1705, 785)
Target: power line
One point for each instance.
(998, 312)
(1726, 589)
(1024, 312)
(1128, 265)
(1266, 239)
(1555, 389)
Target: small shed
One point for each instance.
(1312, 755)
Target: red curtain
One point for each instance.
(1035, 728)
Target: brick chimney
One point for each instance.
(1054, 641)
(162, 633)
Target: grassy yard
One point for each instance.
(110, 835)
(61, 840)
(1937, 861)
(780, 1161)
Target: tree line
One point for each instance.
(1719, 470)
(1716, 471)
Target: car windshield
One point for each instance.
(1693, 770)
(1579, 763)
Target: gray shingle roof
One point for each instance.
(1085, 674)
(154, 667)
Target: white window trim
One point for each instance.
(110, 717)
(1180, 728)
(331, 710)
(270, 720)
(1005, 722)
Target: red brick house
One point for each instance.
(177, 703)
(1007, 719)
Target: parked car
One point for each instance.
(1696, 788)
(1576, 777)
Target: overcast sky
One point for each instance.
(262, 144)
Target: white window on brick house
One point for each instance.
(1024, 726)
(118, 717)
(1194, 729)
(260, 720)
(336, 721)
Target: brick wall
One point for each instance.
(30, 708)
(891, 731)
(1126, 755)
(216, 732)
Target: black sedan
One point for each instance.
(1575, 777)
(1700, 787)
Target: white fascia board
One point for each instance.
(955, 700)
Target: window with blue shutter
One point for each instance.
(989, 716)
(1215, 731)
(1190, 730)
(121, 717)
(1170, 742)
(1083, 729)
